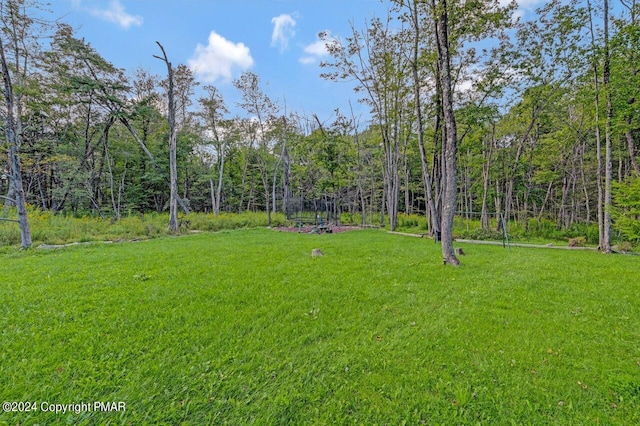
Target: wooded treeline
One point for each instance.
(543, 122)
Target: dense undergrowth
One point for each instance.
(49, 228)
(533, 230)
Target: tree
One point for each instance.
(12, 131)
(625, 80)
(450, 131)
(17, 27)
(416, 30)
(374, 59)
(627, 208)
(85, 94)
(183, 89)
(212, 113)
(263, 112)
(605, 245)
(173, 170)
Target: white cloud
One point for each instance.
(524, 6)
(529, 4)
(307, 60)
(465, 86)
(219, 59)
(316, 50)
(283, 30)
(114, 13)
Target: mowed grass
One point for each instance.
(245, 327)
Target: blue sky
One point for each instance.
(219, 39)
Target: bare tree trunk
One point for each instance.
(13, 133)
(585, 188)
(383, 203)
(450, 142)
(274, 184)
(275, 174)
(112, 188)
(220, 177)
(438, 165)
(121, 188)
(599, 179)
(173, 170)
(287, 181)
(408, 208)
(563, 213)
(608, 174)
(9, 199)
(486, 173)
(359, 176)
(434, 222)
(263, 167)
(244, 182)
(214, 204)
(393, 182)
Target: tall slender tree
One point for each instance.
(374, 59)
(173, 168)
(212, 113)
(17, 46)
(263, 112)
(13, 132)
(416, 54)
(450, 132)
(605, 245)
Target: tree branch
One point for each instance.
(9, 220)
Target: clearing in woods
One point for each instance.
(245, 327)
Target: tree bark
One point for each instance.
(433, 219)
(220, 179)
(486, 174)
(599, 178)
(450, 141)
(13, 133)
(274, 182)
(214, 204)
(608, 174)
(173, 170)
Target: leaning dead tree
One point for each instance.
(13, 134)
(173, 170)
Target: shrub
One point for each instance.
(577, 241)
(624, 247)
(51, 228)
(626, 208)
(479, 234)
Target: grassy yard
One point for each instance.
(245, 327)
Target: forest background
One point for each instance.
(546, 111)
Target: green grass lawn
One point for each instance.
(245, 327)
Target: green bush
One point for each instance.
(407, 221)
(626, 209)
(479, 234)
(543, 229)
